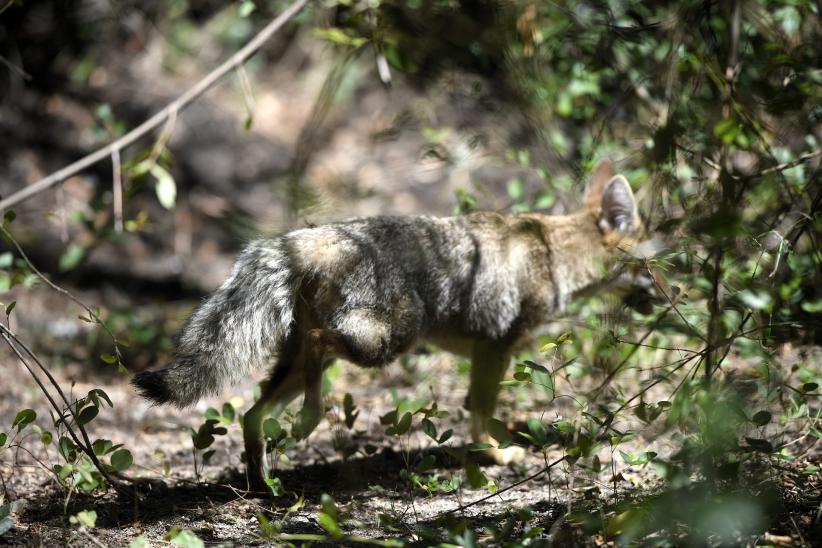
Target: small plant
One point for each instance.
(203, 438)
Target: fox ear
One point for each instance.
(603, 173)
(618, 206)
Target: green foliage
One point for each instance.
(85, 519)
(350, 410)
(6, 519)
(184, 538)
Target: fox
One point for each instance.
(367, 290)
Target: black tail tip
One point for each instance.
(153, 386)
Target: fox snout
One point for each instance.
(643, 286)
(643, 293)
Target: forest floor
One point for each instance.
(369, 485)
(408, 151)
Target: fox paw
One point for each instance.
(305, 423)
(509, 455)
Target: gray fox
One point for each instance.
(366, 290)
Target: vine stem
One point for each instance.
(86, 446)
(533, 476)
(155, 121)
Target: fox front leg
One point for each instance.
(489, 361)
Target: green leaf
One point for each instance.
(46, 438)
(429, 428)
(272, 428)
(98, 394)
(758, 300)
(329, 524)
(9, 217)
(67, 448)
(547, 347)
(86, 518)
(6, 259)
(389, 418)
(23, 419)
(404, 424)
(498, 430)
(101, 447)
(228, 412)
(515, 190)
(139, 542)
(108, 358)
(761, 418)
(275, 485)
(445, 436)
(3, 438)
(72, 257)
(538, 431)
(268, 529)
(642, 458)
(246, 8)
(121, 459)
(202, 440)
(426, 463)
(339, 36)
(187, 539)
(87, 414)
(476, 477)
(535, 366)
(328, 506)
(763, 446)
(165, 187)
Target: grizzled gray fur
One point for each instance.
(366, 290)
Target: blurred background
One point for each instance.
(712, 110)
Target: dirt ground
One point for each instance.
(367, 485)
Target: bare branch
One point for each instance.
(155, 121)
(117, 189)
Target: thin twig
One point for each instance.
(14, 68)
(175, 106)
(92, 314)
(533, 476)
(117, 189)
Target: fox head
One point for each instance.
(610, 203)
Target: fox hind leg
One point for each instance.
(321, 346)
(283, 385)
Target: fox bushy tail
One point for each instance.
(236, 330)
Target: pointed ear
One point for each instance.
(603, 173)
(618, 206)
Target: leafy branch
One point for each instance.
(168, 113)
